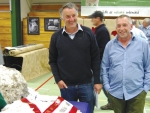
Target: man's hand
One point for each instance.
(98, 87)
(61, 84)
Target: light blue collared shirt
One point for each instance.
(72, 35)
(146, 31)
(138, 32)
(126, 71)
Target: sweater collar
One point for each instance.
(79, 28)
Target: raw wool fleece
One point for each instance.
(12, 84)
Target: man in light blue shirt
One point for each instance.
(145, 27)
(126, 69)
(137, 31)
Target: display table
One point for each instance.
(31, 64)
(82, 106)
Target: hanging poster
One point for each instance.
(136, 8)
(33, 26)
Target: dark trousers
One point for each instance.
(105, 91)
(134, 105)
(106, 95)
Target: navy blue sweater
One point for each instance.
(102, 37)
(75, 61)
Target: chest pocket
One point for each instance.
(136, 57)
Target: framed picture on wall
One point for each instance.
(52, 24)
(33, 26)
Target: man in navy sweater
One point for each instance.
(102, 37)
(75, 58)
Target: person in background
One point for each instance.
(50, 22)
(1, 57)
(145, 27)
(126, 69)
(74, 58)
(137, 31)
(102, 37)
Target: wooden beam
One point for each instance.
(4, 7)
(5, 29)
(5, 22)
(37, 39)
(5, 43)
(5, 37)
(5, 40)
(5, 15)
(34, 38)
(49, 7)
(46, 14)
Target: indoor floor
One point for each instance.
(45, 85)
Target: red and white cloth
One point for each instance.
(60, 105)
(41, 104)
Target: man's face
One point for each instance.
(70, 17)
(95, 21)
(123, 27)
(145, 24)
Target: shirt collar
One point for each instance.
(133, 37)
(133, 27)
(79, 28)
(148, 27)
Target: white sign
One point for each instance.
(117, 10)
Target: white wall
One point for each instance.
(25, 7)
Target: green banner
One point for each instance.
(115, 3)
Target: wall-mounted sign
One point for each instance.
(136, 8)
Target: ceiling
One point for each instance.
(44, 1)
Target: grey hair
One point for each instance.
(122, 16)
(147, 20)
(69, 5)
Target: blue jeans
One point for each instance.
(83, 93)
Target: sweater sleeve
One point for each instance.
(102, 38)
(95, 57)
(53, 55)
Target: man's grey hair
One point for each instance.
(122, 16)
(69, 5)
(147, 20)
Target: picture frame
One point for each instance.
(52, 24)
(33, 25)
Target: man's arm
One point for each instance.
(53, 55)
(95, 63)
(95, 59)
(103, 38)
(105, 68)
(146, 66)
